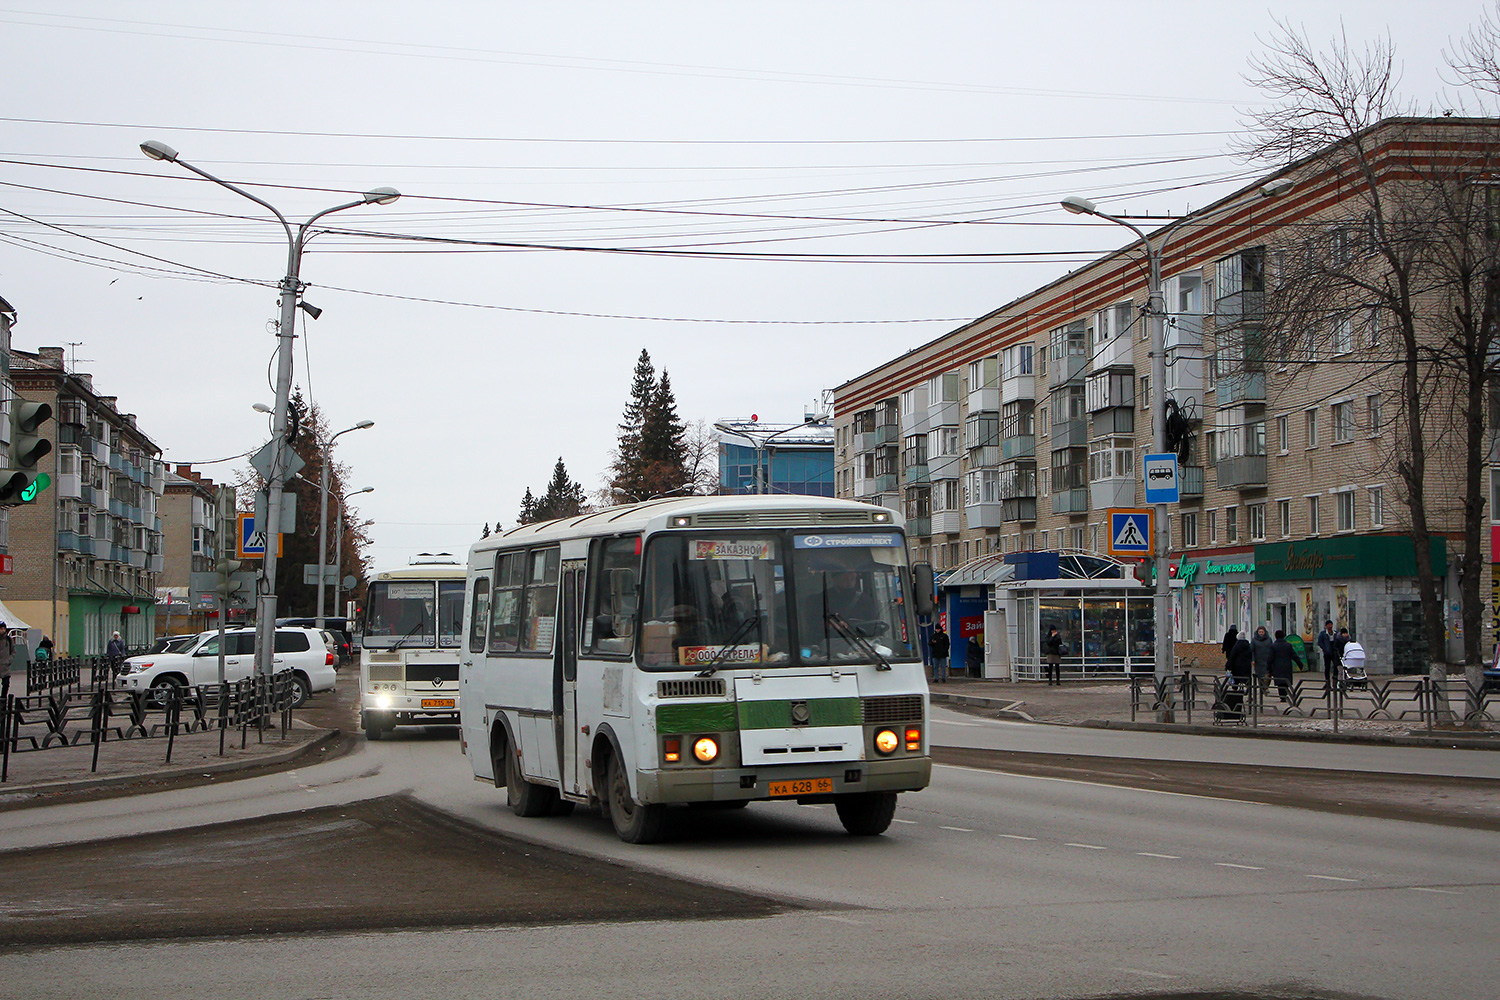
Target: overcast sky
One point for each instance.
(822, 185)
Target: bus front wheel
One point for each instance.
(374, 725)
(866, 814)
(634, 823)
(525, 798)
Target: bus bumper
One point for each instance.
(905, 774)
(408, 710)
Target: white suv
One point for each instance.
(303, 651)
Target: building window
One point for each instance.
(1016, 361)
(1312, 515)
(1078, 538)
(1213, 526)
(1372, 328)
(1111, 458)
(1344, 509)
(1189, 530)
(1343, 422)
(1284, 515)
(1255, 521)
(1311, 417)
(1145, 392)
(1283, 434)
(1232, 524)
(1343, 335)
(1373, 413)
(1377, 507)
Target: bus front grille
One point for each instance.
(893, 708)
(385, 671)
(429, 672)
(696, 687)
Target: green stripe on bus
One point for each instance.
(716, 717)
(821, 712)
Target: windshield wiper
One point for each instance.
(851, 636)
(408, 635)
(732, 644)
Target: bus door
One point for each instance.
(565, 675)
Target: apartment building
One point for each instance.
(195, 515)
(87, 550)
(1005, 441)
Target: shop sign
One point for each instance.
(1345, 557)
(1188, 571)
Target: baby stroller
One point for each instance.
(1352, 674)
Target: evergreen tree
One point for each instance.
(528, 509)
(486, 532)
(663, 449)
(564, 497)
(626, 482)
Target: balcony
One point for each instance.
(1184, 371)
(1018, 509)
(1070, 501)
(918, 526)
(69, 486)
(1023, 446)
(984, 458)
(1234, 388)
(885, 482)
(1116, 351)
(1069, 434)
(1114, 492)
(946, 522)
(943, 414)
(987, 398)
(1190, 480)
(1017, 388)
(915, 475)
(1244, 472)
(1068, 367)
(983, 515)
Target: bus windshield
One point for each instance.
(450, 612)
(724, 600)
(400, 613)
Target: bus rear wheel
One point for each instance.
(525, 798)
(634, 823)
(866, 814)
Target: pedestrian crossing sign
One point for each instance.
(252, 540)
(1130, 531)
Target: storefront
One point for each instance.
(1367, 584)
(1213, 592)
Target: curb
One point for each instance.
(1006, 708)
(10, 795)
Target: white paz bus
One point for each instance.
(706, 650)
(409, 637)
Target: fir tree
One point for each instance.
(564, 497)
(626, 482)
(663, 450)
(528, 509)
(486, 532)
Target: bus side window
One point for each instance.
(612, 603)
(479, 615)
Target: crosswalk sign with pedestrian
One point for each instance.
(252, 540)
(1130, 531)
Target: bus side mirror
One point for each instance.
(924, 588)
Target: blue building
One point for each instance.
(786, 458)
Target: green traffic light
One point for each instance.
(41, 482)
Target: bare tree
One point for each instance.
(1413, 262)
(701, 447)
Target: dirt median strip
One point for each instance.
(382, 864)
(1467, 802)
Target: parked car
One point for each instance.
(339, 627)
(302, 651)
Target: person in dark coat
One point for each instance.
(1283, 655)
(1052, 653)
(1328, 646)
(1260, 651)
(1241, 661)
(938, 647)
(1230, 638)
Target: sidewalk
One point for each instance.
(1106, 703)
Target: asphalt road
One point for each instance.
(989, 884)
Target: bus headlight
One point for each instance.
(706, 749)
(384, 701)
(886, 741)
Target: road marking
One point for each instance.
(908, 822)
(1247, 868)
(1164, 857)
(1446, 892)
(1332, 878)
(1015, 836)
(1088, 847)
(956, 829)
(1144, 972)
(1098, 784)
(839, 920)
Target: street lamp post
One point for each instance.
(291, 288)
(323, 509)
(338, 546)
(1155, 312)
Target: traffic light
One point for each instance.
(27, 447)
(227, 585)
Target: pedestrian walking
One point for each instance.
(1283, 655)
(974, 655)
(7, 648)
(1239, 663)
(1230, 638)
(1327, 645)
(115, 652)
(1052, 650)
(1260, 654)
(44, 650)
(938, 647)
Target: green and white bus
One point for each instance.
(705, 650)
(409, 646)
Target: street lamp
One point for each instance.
(1155, 310)
(291, 289)
(323, 508)
(338, 544)
(762, 470)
